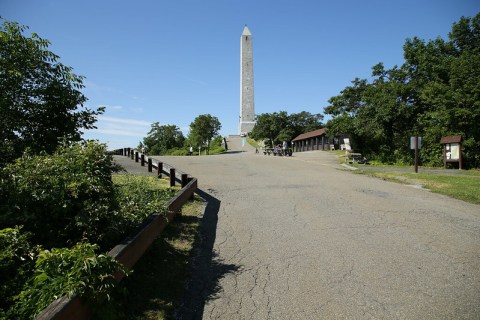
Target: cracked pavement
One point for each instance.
(296, 238)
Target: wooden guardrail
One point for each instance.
(129, 251)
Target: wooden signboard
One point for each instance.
(452, 150)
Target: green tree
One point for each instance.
(434, 93)
(268, 126)
(203, 129)
(280, 126)
(40, 99)
(162, 138)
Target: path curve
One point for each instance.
(297, 238)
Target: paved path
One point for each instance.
(295, 238)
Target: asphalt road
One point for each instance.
(297, 238)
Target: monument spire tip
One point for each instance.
(246, 31)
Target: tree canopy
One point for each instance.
(434, 93)
(40, 99)
(280, 126)
(203, 129)
(162, 138)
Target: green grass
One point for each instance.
(215, 150)
(464, 187)
(253, 143)
(158, 281)
(150, 181)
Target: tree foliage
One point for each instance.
(203, 129)
(280, 126)
(40, 99)
(434, 93)
(162, 138)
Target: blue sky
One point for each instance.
(170, 61)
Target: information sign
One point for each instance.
(412, 143)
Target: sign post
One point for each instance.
(416, 144)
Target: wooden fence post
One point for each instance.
(149, 164)
(192, 197)
(184, 180)
(172, 177)
(132, 154)
(159, 169)
(136, 156)
(142, 160)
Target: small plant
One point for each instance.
(59, 272)
(17, 257)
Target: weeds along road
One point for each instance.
(297, 238)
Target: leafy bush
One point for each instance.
(178, 152)
(67, 272)
(61, 199)
(17, 258)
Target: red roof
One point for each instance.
(311, 134)
(451, 139)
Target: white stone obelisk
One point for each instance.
(247, 110)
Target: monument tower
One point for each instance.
(247, 111)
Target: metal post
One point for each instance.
(149, 164)
(142, 160)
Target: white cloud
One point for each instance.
(200, 82)
(121, 132)
(133, 122)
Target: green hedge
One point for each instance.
(71, 204)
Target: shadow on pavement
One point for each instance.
(206, 272)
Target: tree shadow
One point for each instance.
(203, 283)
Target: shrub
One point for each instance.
(178, 152)
(17, 258)
(61, 199)
(59, 272)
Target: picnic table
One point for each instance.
(277, 152)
